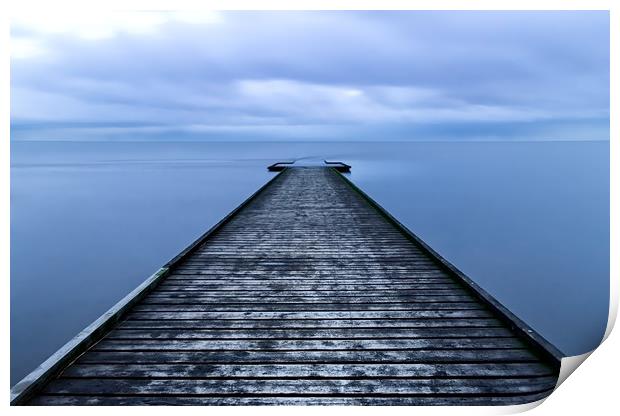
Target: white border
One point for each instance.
(591, 389)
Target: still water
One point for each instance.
(528, 221)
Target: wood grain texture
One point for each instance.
(307, 296)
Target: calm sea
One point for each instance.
(528, 221)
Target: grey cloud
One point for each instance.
(325, 73)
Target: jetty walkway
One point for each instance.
(308, 293)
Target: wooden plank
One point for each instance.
(312, 275)
(303, 259)
(490, 355)
(341, 333)
(324, 291)
(131, 322)
(304, 387)
(309, 291)
(316, 271)
(286, 307)
(410, 400)
(299, 345)
(297, 371)
(298, 286)
(263, 281)
(198, 298)
(243, 324)
(328, 307)
(353, 314)
(310, 294)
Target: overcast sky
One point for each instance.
(311, 75)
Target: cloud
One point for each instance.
(313, 73)
(100, 24)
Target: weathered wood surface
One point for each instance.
(307, 296)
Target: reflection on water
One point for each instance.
(528, 221)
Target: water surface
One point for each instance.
(528, 221)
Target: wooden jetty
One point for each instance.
(308, 293)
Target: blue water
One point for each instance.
(528, 221)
